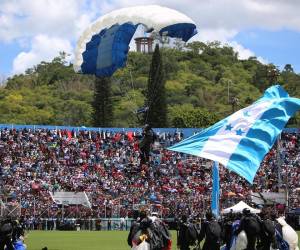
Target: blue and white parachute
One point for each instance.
(103, 47)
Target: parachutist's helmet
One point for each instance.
(147, 127)
(16, 223)
(246, 211)
(143, 214)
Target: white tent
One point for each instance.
(71, 198)
(238, 208)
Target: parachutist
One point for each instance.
(145, 145)
(141, 111)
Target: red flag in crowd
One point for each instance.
(117, 137)
(130, 136)
(69, 133)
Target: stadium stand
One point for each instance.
(35, 163)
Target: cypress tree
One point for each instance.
(156, 93)
(102, 104)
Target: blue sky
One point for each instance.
(278, 47)
(36, 30)
(8, 52)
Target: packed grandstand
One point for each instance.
(37, 163)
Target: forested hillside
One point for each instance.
(204, 83)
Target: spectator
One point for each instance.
(106, 165)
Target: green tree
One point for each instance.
(156, 93)
(196, 47)
(288, 68)
(102, 104)
(187, 116)
(201, 76)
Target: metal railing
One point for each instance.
(91, 224)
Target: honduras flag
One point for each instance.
(240, 141)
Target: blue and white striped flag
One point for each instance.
(240, 141)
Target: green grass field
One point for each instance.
(83, 240)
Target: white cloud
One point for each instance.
(68, 18)
(244, 53)
(44, 48)
(23, 20)
(59, 22)
(222, 20)
(227, 14)
(219, 34)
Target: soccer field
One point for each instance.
(83, 240)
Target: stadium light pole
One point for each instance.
(34, 207)
(272, 75)
(234, 103)
(228, 91)
(279, 161)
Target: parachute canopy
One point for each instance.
(103, 47)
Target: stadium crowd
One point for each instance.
(106, 165)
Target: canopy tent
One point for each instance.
(238, 208)
(71, 198)
(269, 198)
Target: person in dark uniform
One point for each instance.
(211, 231)
(138, 228)
(267, 235)
(109, 225)
(150, 229)
(251, 224)
(227, 229)
(6, 231)
(135, 225)
(145, 145)
(182, 241)
(18, 230)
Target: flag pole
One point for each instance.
(279, 162)
(216, 190)
(279, 165)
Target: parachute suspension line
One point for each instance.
(132, 86)
(150, 103)
(152, 98)
(126, 95)
(133, 110)
(136, 112)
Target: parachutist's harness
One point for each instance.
(140, 112)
